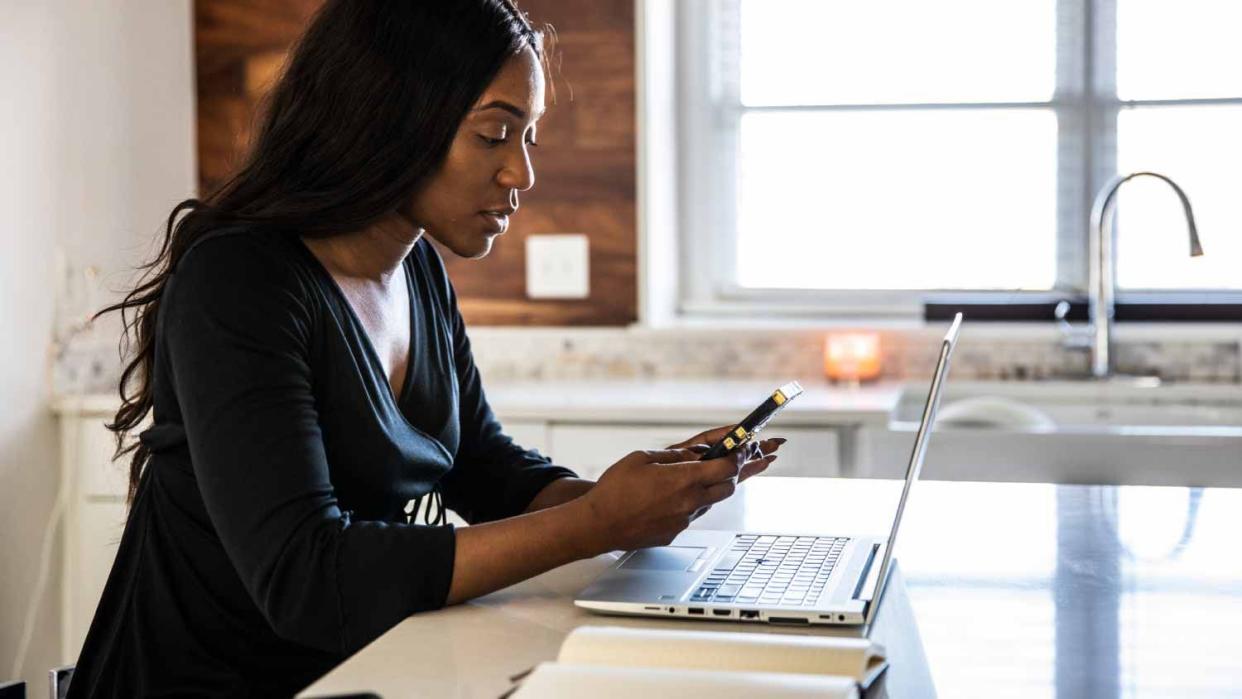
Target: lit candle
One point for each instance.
(852, 357)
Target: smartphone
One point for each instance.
(746, 430)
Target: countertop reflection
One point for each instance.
(1047, 590)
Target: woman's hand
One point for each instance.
(649, 497)
(758, 455)
(645, 499)
(758, 458)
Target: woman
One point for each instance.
(308, 375)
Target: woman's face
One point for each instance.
(468, 201)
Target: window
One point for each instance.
(1179, 81)
(852, 157)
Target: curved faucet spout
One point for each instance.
(1102, 268)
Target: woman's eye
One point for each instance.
(503, 138)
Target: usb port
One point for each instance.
(748, 614)
(698, 611)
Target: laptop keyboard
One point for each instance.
(787, 570)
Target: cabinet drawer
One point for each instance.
(528, 434)
(98, 474)
(590, 449)
(810, 451)
(95, 540)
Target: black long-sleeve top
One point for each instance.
(268, 539)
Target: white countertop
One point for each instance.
(992, 595)
(472, 649)
(688, 401)
(660, 401)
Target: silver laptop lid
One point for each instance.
(916, 457)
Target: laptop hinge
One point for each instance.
(865, 575)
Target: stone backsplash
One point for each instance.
(511, 354)
(90, 364)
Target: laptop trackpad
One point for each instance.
(677, 558)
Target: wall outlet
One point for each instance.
(558, 266)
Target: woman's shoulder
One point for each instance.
(241, 247)
(244, 254)
(242, 265)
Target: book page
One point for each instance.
(565, 681)
(721, 650)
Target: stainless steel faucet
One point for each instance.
(1102, 266)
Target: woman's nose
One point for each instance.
(517, 173)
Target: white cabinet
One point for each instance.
(530, 434)
(95, 489)
(98, 475)
(98, 532)
(591, 448)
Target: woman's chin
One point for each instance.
(471, 248)
(482, 249)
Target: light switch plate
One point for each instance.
(558, 266)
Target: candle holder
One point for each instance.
(852, 357)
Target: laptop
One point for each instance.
(765, 578)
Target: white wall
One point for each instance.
(96, 145)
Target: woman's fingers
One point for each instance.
(672, 455)
(703, 441)
(716, 492)
(709, 437)
(761, 457)
(768, 446)
(738, 466)
(754, 468)
(726, 468)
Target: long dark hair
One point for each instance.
(366, 109)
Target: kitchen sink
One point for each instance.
(1087, 406)
(1122, 431)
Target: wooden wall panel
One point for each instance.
(584, 166)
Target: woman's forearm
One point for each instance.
(559, 491)
(494, 555)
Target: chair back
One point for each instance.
(58, 681)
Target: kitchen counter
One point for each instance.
(1012, 589)
(684, 401)
(645, 401)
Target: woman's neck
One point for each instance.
(373, 253)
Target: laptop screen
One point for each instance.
(916, 457)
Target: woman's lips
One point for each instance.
(495, 222)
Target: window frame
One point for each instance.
(709, 112)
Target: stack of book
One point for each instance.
(608, 661)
